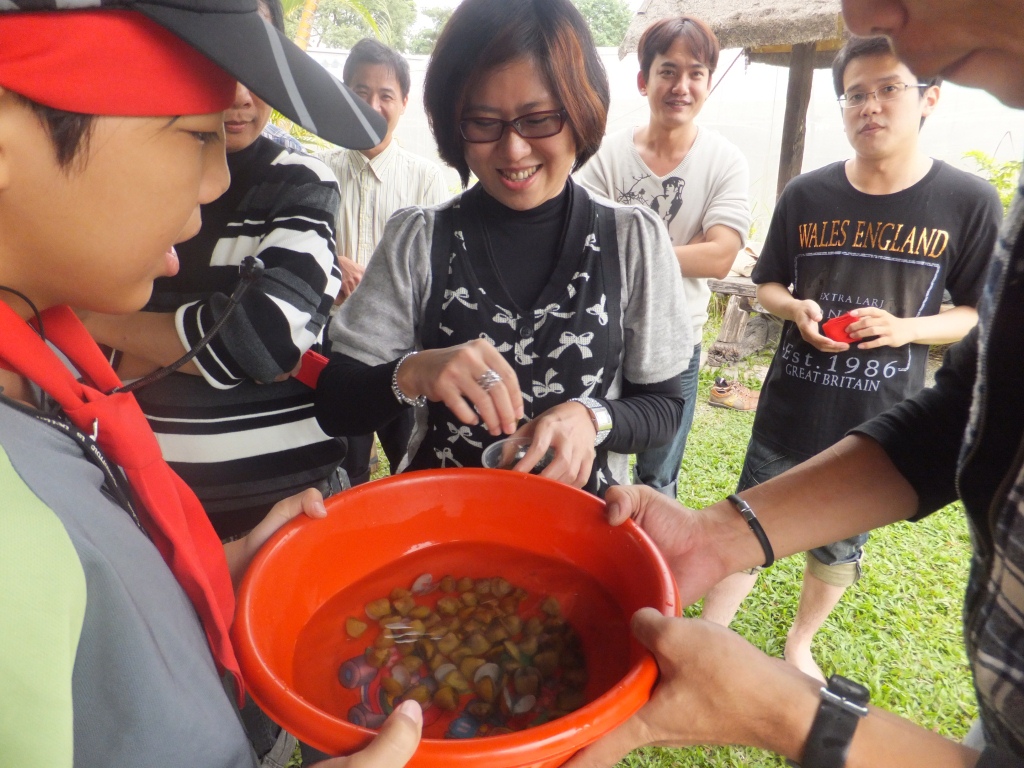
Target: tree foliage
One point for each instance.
(1002, 175)
(608, 19)
(338, 24)
(426, 39)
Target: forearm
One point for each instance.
(149, 339)
(645, 416)
(776, 298)
(882, 739)
(780, 721)
(709, 254)
(944, 328)
(353, 398)
(847, 489)
(703, 260)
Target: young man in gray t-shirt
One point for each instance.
(692, 178)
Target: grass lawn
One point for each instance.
(897, 631)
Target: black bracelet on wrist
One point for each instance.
(755, 526)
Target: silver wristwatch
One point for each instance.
(599, 414)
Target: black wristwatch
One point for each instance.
(843, 704)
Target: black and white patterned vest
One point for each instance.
(567, 345)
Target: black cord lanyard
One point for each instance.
(250, 271)
(115, 483)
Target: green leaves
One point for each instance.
(608, 19)
(1003, 176)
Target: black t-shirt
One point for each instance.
(846, 249)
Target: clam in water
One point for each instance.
(484, 652)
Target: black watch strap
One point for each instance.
(843, 704)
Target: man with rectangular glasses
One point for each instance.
(879, 236)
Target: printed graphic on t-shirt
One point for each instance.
(847, 250)
(666, 203)
(900, 286)
(874, 236)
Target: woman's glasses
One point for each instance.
(535, 125)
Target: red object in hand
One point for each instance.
(835, 328)
(312, 365)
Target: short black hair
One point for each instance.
(482, 35)
(275, 12)
(68, 131)
(370, 51)
(855, 48)
(696, 35)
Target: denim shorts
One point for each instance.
(762, 463)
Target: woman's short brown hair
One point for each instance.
(661, 35)
(484, 34)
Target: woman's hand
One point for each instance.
(392, 747)
(452, 376)
(569, 430)
(241, 552)
(715, 688)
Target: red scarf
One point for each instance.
(167, 508)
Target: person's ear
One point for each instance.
(930, 100)
(641, 83)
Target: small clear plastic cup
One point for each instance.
(505, 454)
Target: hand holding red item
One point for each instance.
(835, 328)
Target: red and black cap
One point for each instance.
(125, 57)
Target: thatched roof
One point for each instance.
(746, 23)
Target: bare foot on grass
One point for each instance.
(801, 658)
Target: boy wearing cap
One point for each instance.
(117, 595)
(233, 424)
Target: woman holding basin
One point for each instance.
(524, 305)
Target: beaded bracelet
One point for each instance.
(404, 399)
(755, 525)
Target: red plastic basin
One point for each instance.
(462, 522)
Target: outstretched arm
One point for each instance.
(854, 481)
(717, 689)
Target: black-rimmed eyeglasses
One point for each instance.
(884, 93)
(535, 125)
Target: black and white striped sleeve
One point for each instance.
(287, 221)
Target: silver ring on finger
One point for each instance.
(488, 379)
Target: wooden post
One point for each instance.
(798, 95)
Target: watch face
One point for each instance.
(848, 689)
